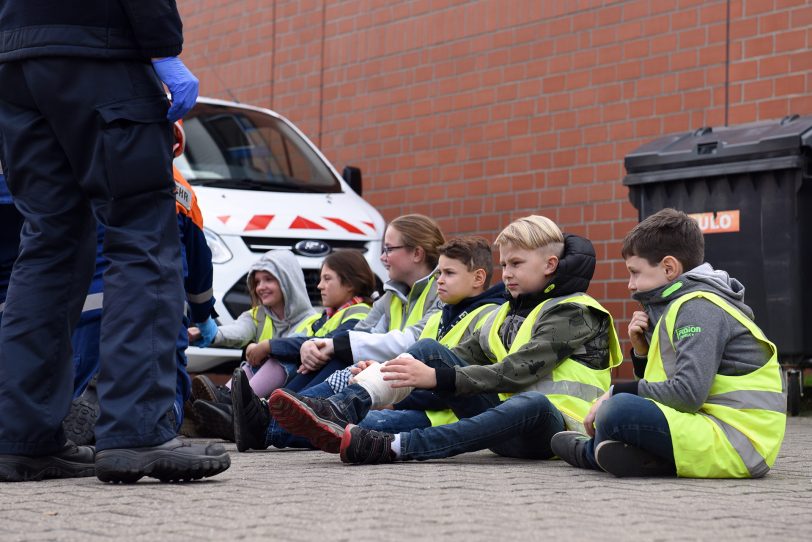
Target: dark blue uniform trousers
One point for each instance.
(82, 137)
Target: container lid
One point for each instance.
(713, 151)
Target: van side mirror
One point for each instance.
(352, 176)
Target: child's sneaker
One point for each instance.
(204, 389)
(313, 418)
(623, 459)
(250, 413)
(571, 447)
(214, 419)
(366, 446)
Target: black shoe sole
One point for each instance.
(32, 469)
(203, 388)
(129, 466)
(624, 460)
(242, 436)
(80, 423)
(214, 422)
(299, 419)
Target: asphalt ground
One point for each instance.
(310, 495)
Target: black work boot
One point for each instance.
(71, 461)
(172, 461)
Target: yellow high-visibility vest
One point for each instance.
(450, 340)
(571, 386)
(738, 431)
(414, 313)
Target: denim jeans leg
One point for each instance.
(634, 420)
(519, 427)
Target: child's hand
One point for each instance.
(316, 353)
(637, 332)
(194, 334)
(589, 421)
(257, 353)
(409, 372)
(358, 367)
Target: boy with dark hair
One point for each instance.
(550, 341)
(709, 402)
(463, 274)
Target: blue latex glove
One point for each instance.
(182, 84)
(208, 330)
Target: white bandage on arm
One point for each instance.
(382, 394)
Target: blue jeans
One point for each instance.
(520, 427)
(635, 421)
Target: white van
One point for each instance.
(261, 184)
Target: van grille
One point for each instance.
(261, 245)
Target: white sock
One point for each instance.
(395, 446)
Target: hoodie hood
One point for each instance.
(284, 266)
(703, 278)
(575, 269)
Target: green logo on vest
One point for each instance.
(687, 331)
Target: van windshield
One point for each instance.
(231, 147)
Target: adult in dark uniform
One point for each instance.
(85, 132)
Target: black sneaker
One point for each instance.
(71, 461)
(250, 414)
(366, 446)
(80, 423)
(314, 418)
(172, 461)
(623, 459)
(204, 389)
(571, 447)
(214, 420)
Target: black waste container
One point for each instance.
(750, 187)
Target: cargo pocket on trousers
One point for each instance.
(137, 146)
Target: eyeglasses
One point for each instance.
(389, 249)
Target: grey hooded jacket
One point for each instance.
(716, 343)
(283, 265)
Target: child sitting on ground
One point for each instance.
(280, 308)
(464, 272)
(550, 342)
(710, 401)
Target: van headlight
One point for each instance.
(219, 250)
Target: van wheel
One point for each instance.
(794, 392)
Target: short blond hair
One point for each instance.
(532, 232)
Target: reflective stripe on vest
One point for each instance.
(265, 327)
(738, 431)
(359, 311)
(414, 312)
(571, 386)
(451, 339)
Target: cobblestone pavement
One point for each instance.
(306, 495)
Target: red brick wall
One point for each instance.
(477, 112)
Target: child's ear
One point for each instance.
(672, 267)
(479, 278)
(419, 254)
(551, 265)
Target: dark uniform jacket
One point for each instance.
(121, 29)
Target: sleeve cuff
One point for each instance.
(446, 379)
(342, 348)
(625, 387)
(639, 363)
